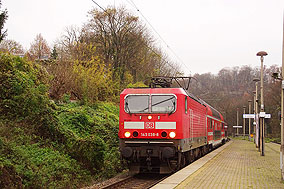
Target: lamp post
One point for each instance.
(244, 123)
(257, 130)
(249, 102)
(262, 113)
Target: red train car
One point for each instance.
(163, 129)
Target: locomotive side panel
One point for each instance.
(194, 126)
(185, 116)
(215, 127)
(199, 119)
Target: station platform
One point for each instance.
(237, 164)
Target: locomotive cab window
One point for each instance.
(163, 103)
(159, 104)
(137, 104)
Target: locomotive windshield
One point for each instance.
(163, 103)
(159, 104)
(137, 104)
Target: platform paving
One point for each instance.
(178, 177)
(239, 165)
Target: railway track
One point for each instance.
(140, 181)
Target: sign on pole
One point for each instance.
(250, 116)
(238, 126)
(267, 116)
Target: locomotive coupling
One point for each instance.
(168, 152)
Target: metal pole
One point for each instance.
(261, 85)
(282, 111)
(249, 119)
(244, 124)
(237, 121)
(254, 112)
(257, 120)
(261, 109)
(261, 54)
(257, 130)
(282, 122)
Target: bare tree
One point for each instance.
(11, 46)
(39, 48)
(124, 43)
(233, 87)
(68, 43)
(112, 50)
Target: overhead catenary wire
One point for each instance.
(131, 2)
(103, 9)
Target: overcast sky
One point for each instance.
(207, 35)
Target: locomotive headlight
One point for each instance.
(127, 134)
(172, 134)
(150, 117)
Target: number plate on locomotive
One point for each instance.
(149, 134)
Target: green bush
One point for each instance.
(274, 140)
(23, 92)
(48, 145)
(34, 166)
(89, 134)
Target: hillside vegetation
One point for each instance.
(231, 89)
(45, 144)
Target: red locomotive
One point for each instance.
(163, 129)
